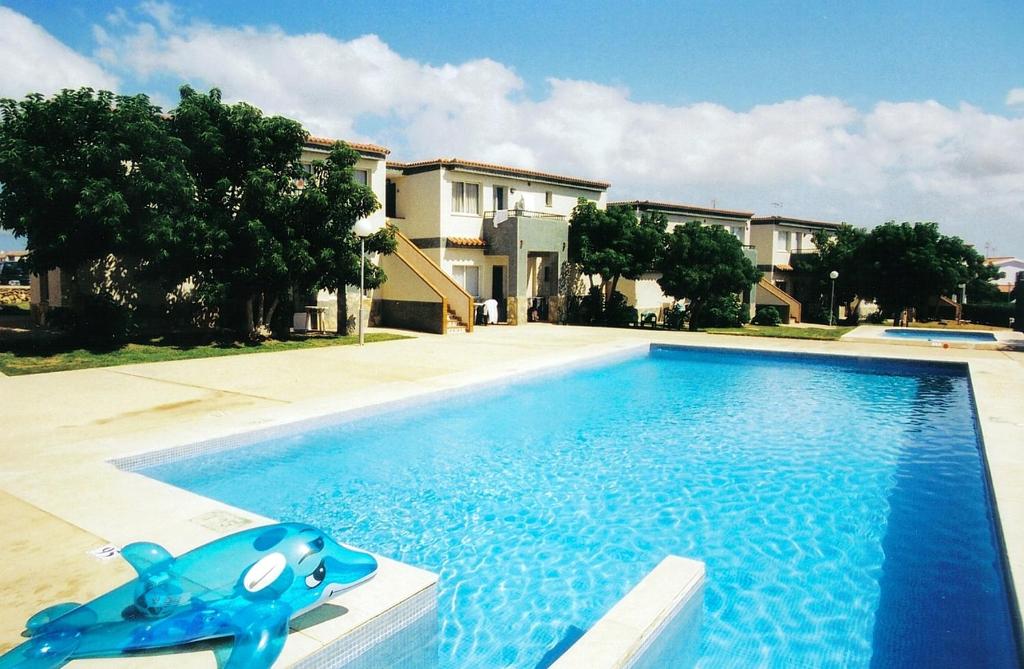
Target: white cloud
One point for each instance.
(36, 62)
(819, 156)
(1015, 98)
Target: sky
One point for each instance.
(859, 112)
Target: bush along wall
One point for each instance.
(991, 313)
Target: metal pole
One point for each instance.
(832, 303)
(362, 270)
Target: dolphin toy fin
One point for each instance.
(50, 650)
(142, 555)
(48, 615)
(261, 630)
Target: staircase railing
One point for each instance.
(454, 296)
(782, 296)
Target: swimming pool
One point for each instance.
(939, 335)
(840, 505)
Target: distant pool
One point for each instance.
(841, 506)
(938, 335)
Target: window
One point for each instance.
(736, 231)
(786, 239)
(548, 198)
(467, 276)
(361, 177)
(499, 198)
(465, 197)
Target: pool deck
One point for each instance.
(59, 496)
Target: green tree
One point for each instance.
(840, 251)
(87, 174)
(260, 228)
(614, 243)
(704, 264)
(329, 206)
(903, 265)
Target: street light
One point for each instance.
(363, 228)
(832, 302)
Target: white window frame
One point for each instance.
(461, 274)
(459, 197)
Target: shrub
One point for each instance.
(94, 319)
(674, 317)
(991, 313)
(722, 312)
(767, 316)
(876, 317)
(618, 312)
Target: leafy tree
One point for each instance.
(614, 243)
(838, 251)
(86, 174)
(259, 228)
(903, 265)
(704, 264)
(330, 205)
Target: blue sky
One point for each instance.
(844, 111)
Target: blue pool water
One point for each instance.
(840, 506)
(938, 335)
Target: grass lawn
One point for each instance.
(35, 354)
(783, 331)
(16, 309)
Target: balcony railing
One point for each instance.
(525, 213)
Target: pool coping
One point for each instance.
(875, 334)
(995, 381)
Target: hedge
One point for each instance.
(991, 313)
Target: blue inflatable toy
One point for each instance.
(247, 586)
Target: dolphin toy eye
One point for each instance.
(317, 577)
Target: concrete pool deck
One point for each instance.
(60, 497)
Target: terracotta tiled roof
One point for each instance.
(471, 242)
(361, 148)
(675, 207)
(785, 220)
(784, 268)
(500, 170)
(995, 259)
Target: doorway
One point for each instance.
(498, 291)
(499, 198)
(389, 199)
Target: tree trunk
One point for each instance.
(249, 325)
(342, 311)
(270, 312)
(695, 308)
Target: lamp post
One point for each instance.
(832, 301)
(363, 229)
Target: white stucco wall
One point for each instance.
(1009, 268)
(375, 169)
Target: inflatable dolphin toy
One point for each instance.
(247, 586)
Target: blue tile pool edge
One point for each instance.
(1004, 556)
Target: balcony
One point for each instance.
(525, 213)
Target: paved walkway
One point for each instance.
(59, 497)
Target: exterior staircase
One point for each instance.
(455, 324)
(771, 295)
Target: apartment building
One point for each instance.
(645, 293)
(778, 239)
(498, 232)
